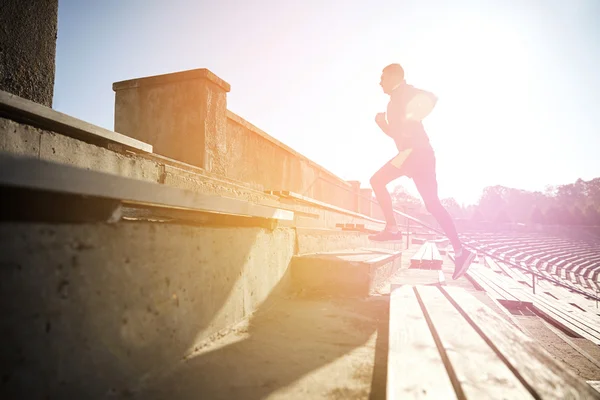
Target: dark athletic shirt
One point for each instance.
(411, 134)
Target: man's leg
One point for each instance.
(428, 190)
(389, 172)
(426, 182)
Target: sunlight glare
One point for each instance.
(481, 65)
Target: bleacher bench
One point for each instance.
(427, 257)
(445, 344)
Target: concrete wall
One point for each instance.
(184, 116)
(253, 156)
(91, 310)
(28, 47)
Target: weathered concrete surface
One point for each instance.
(292, 348)
(254, 156)
(21, 139)
(183, 179)
(321, 240)
(66, 150)
(28, 31)
(183, 115)
(90, 310)
(350, 273)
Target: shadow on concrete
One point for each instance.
(379, 380)
(87, 309)
(293, 345)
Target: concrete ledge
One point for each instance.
(39, 116)
(21, 139)
(201, 73)
(312, 240)
(355, 273)
(42, 176)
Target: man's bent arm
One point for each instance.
(385, 128)
(421, 105)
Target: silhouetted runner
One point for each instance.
(416, 159)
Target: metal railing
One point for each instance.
(528, 269)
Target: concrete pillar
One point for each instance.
(355, 195)
(183, 115)
(365, 203)
(28, 48)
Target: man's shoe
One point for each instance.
(385, 236)
(462, 263)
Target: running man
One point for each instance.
(416, 159)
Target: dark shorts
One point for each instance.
(418, 164)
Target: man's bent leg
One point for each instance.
(392, 170)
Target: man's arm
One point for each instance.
(420, 105)
(382, 122)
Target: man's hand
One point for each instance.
(382, 123)
(381, 120)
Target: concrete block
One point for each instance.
(182, 115)
(346, 273)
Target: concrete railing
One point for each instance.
(184, 116)
(254, 156)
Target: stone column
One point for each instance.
(183, 115)
(355, 195)
(28, 48)
(365, 203)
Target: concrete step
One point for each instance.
(349, 273)
(314, 240)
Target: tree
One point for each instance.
(477, 215)
(566, 216)
(573, 203)
(536, 216)
(492, 201)
(573, 194)
(553, 216)
(519, 204)
(452, 206)
(577, 217)
(401, 197)
(559, 215)
(502, 217)
(550, 191)
(593, 192)
(591, 215)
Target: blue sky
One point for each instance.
(517, 80)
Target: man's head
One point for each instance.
(392, 76)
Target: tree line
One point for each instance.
(575, 203)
